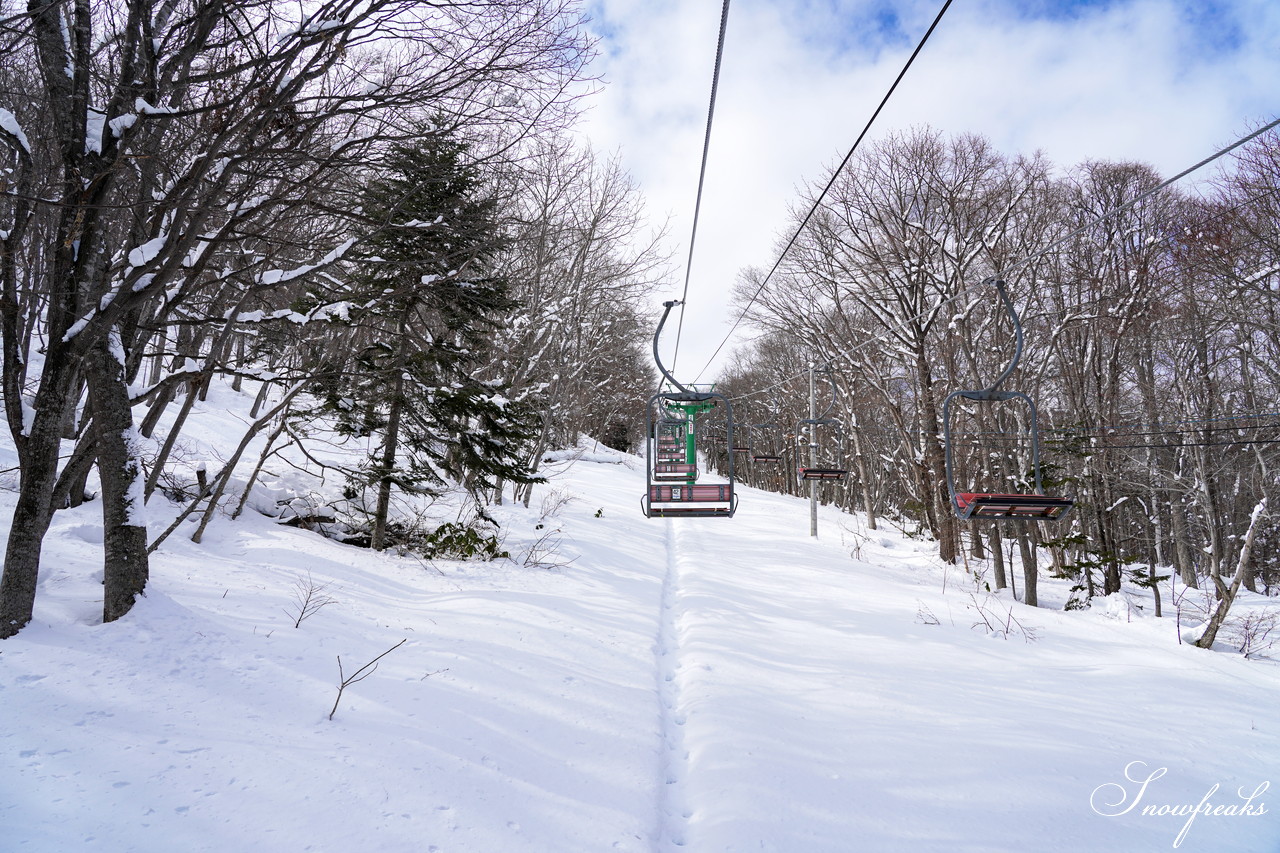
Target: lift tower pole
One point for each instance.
(813, 453)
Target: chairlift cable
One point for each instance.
(1102, 217)
(702, 174)
(1100, 448)
(834, 175)
(1133, 202)
(1244, 441)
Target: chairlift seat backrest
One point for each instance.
(822, 473)
(977, 505)
(699, 493)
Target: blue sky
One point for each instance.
(1161, 81)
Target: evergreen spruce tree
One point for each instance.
(427, 301)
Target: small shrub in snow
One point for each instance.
(552, 502)
(345, 681)
(457, 541)
(184, 480)
(853, 538)
(544, 553)
(308, 599)
(998, 619)
(925, 616)
(1253, 631)
(1191, 606)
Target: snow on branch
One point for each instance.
(148, 109)
(9, 124)
(278, 276)
(147, 252)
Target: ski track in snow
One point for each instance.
(674, 685)
(673, 809)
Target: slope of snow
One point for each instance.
(699, 685)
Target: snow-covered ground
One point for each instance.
(654, 685)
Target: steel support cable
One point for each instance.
(1102, 217)
(702, 175)
(1244, 441)
(1133, 202)
(980, 438)
(1170, 239)
(1059, 435)
(834, 175)
(1068, 433)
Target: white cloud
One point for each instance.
(1162, 81)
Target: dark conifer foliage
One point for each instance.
(427, 298)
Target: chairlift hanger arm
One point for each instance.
(1001, 506)
(657, 334)
(835, 394)
(1017, 340)
(683, 394)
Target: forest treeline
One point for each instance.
(1152, 350)
(377, 214)
(375, 211)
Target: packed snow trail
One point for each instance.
(829, 704)
(674, 685)
(673, 809)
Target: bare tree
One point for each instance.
(174, 139)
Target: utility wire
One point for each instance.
(702, 175)
(1062, 435)
(814, 207)
(1096, 442)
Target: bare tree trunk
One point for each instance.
(947, 529)
(70, 489)
(997, 556)
(225, 475)
(157, 359)
(238, 381)
(1111, 569)
(1228, 595)
(1181, 548)
(125, 566)
(263, 390)
(162, 457)
(31, 517)
(1155, 586)
(976, 549)
(387, 463)
(262, 460)
(38, 455)
(1029, 568)
(391, 441)
(860, 461)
